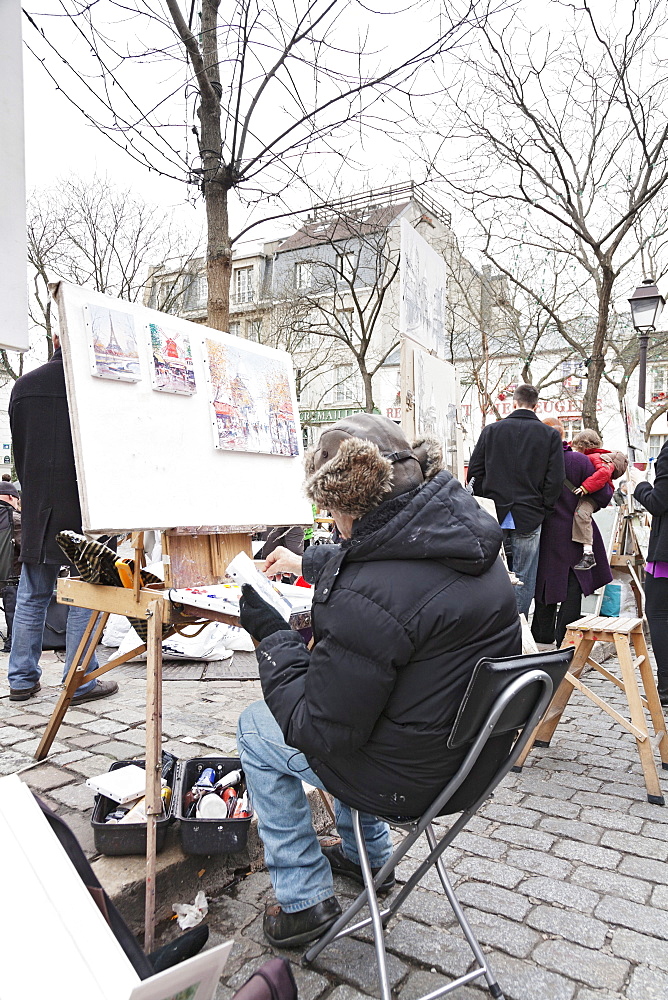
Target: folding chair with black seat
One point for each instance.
(503, 703)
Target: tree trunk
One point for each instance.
(217, 179)
(368, 390)
(218, 257)
(597, 362)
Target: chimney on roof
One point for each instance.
(428, 219)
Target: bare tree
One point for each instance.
(291, 329)
(348, 274)
(567, 155)
(94, 234)
(499, 335)
(265, 88)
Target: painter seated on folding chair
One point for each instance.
(403, 610)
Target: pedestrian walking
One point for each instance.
(518, 463)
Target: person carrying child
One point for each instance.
(609, 465)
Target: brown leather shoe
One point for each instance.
(289, 930)
(101, 690)
(22, 694)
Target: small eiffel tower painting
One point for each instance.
(113, 344)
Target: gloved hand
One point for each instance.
(258, 617)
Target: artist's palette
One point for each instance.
(224, 597)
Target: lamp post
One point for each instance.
(646, 305)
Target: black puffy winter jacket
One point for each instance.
(402, 612)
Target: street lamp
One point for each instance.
(646, 305)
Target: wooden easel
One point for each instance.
(192, 557)
(627, 555)
(624, 633)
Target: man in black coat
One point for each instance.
(44, 460)
(518, 463)
(403, 609)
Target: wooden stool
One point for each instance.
(622, 632)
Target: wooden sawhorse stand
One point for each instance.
(623, 632)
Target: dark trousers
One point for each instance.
(550, 620)
(656, 609)
(8, 595)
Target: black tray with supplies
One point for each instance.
(207, 836)
(116, 839)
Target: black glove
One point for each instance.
(258, 617)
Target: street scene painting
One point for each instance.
(171, 355)
(422, 300)
(251, 399)
(113, 344)
(436, 396)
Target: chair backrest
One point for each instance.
(489, 680)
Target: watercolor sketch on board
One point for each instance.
(436, 399)
(172, 360)
(251, 398)
(113, 344)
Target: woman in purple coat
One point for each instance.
(559, 587)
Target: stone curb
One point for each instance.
(179, 876)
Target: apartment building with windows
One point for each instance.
(293, 292)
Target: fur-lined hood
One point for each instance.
(364, 460)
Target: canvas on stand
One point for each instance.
(436, 394)
(151, 448)
(423, 300)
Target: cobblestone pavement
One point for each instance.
(563, 873)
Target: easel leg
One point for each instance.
(645, 752)
(545, 731)
(75, 677)
(153, 761)
(652, 695)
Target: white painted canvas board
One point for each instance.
(195, 979)
(436, 402)
(13, 249)
(607, 521)
(423, 292)
(59, 942)
(250, 397)
(146, 459)
(636, 418)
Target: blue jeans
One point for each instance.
(525, 547)
(300, 873)
(36, 586)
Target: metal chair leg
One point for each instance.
(474, 944)
(378, 931)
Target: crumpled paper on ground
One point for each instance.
(191, 915)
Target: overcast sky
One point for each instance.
(60, 141)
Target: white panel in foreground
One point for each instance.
(13, 250)
(148, 458)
